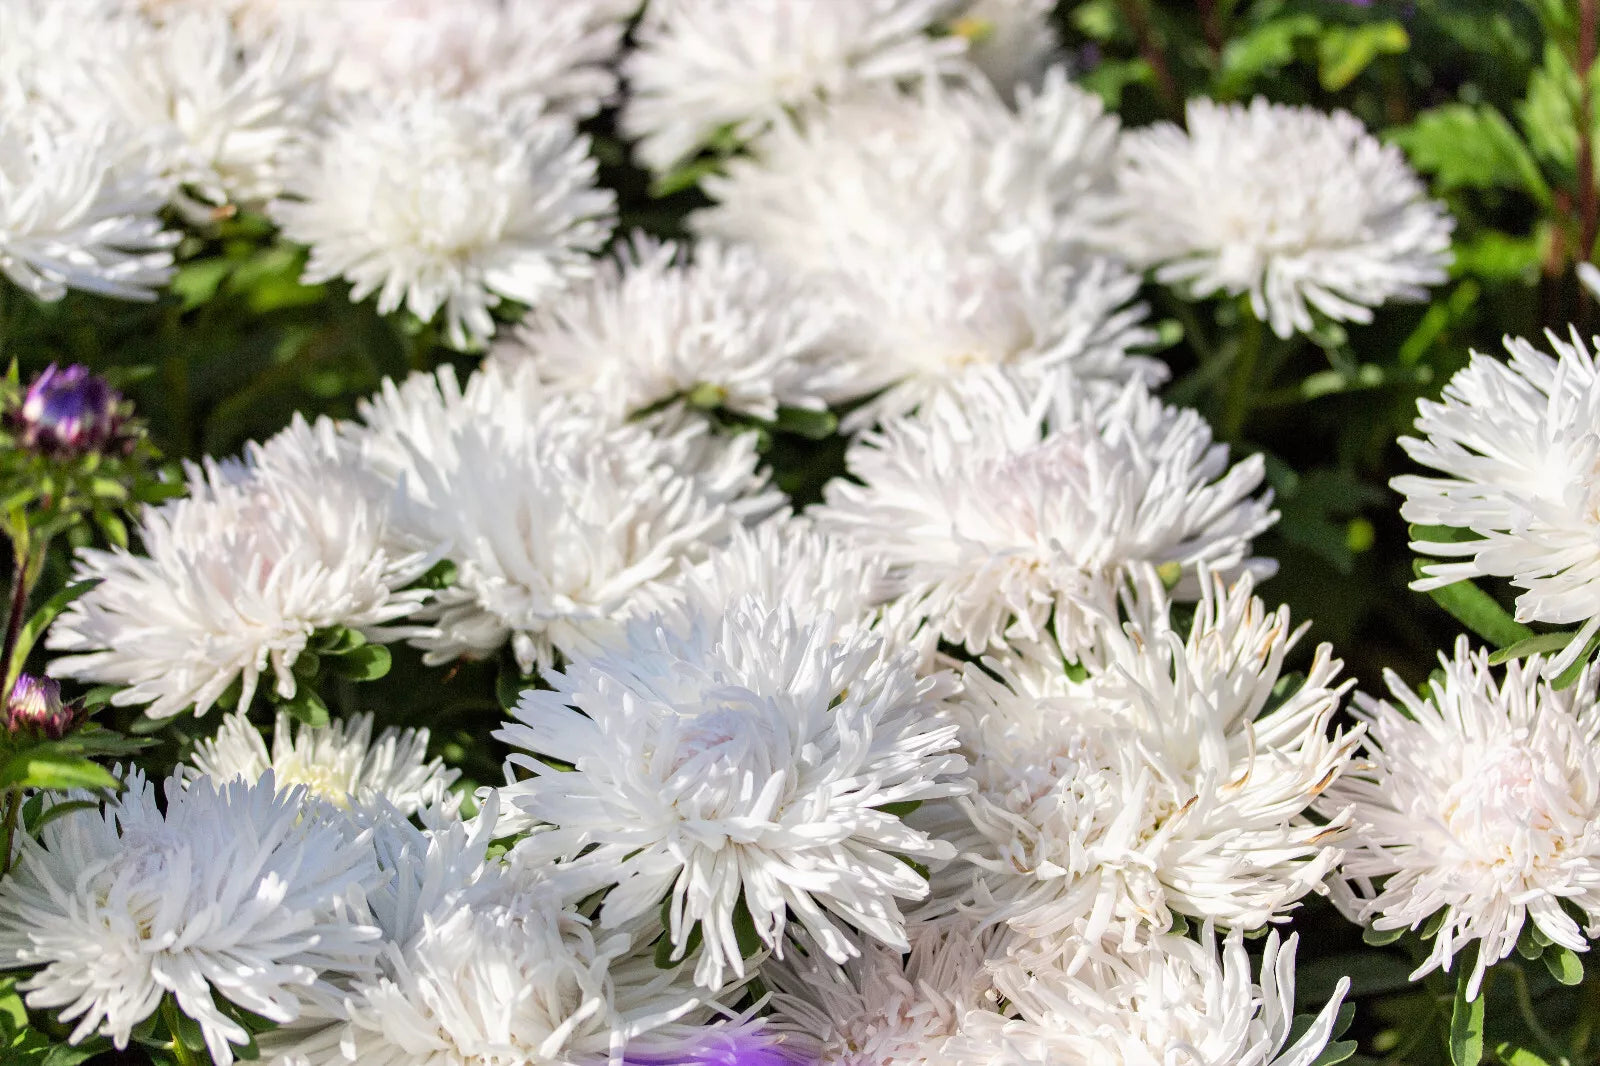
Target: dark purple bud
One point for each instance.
(69, 410)
(35, 707)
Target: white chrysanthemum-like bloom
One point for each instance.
(77, 210)
(1480, 799)
(1299, 208)
(882, 1009)
(236, 578)
(999, 509)
(1161, 784)
(705, 71)
(451, 204)
(741, 763)
(1518, 444)
(659, 330)
(339, 763)
(514, 52)
(559, 525)
(1011, 41)
(951, 229)
(232, 891)
(224, 117)
(1175, 1002)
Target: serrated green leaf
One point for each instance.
(1466, 1022)
(43, 768)
(366, 663)
(1472, 147)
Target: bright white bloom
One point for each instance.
(1519, 447)
(708, 71)
(236, 578)
(661, 331)
(1481, 800)
(338, 763)
(77, 210)
(999, 509)
(1011, 41)
(739, 764)
(559, 526)
(513, 52)
(225, 118)
(881, 1009)
(1299, 208)
(1158, 785)
(1173, 1003)
(232, 891)
(455, 204)
(951, 229)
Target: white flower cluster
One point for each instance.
(985, 752)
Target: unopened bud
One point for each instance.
(35, 707)
(68, 410)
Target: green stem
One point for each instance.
(14, 617)
(1241, 381)
(13, 809)
(180, 1051)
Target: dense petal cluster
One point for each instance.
(1299, 208)
(1479, 800)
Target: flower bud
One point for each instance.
(35, 707)
(68, 410)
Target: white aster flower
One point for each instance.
(1299, 208)
(514, 52)
(710, 70)
(951, 230)
(999, 509)
(1175, 1002)
(236, 578)
(1161, 783)
(447, 203)
(1519, 448)
(78, 210)
(224, 117)
(338, 763)
(231, 891)
(659, 330)
(884, 1008)
(1481, 800)
(743, 764)
(559, 525)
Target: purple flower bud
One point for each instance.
(35, 707)
(68, 410)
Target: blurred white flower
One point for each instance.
(1299, 208)
(1000, 509)
(661, 330)
(705, 71)
(1481, 800)
(226, 118)
(231, 891)
(1175, 1001)
(1519, 445)
(951, 229)
(1158, 784)
(560, 526)
(455, 204)
(338, 763)
(742, 765)
(78, 208)
(235, 578)
(1011, 41)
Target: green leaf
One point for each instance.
(1335, 1052)
(1501, 256)
(365, 663)
(1477, 610)
(1379, 937)
(744, 930)
(1343, 52)
(59, 810)
(804, 422)
(1267, 48)
(40, 620)
(1536, 645)
(1466, 1022)
(1472, 147)
(685, 175)
(1517, 1055)
(899, 810)
(43, 768)
(1563, 964)
(306, 706)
